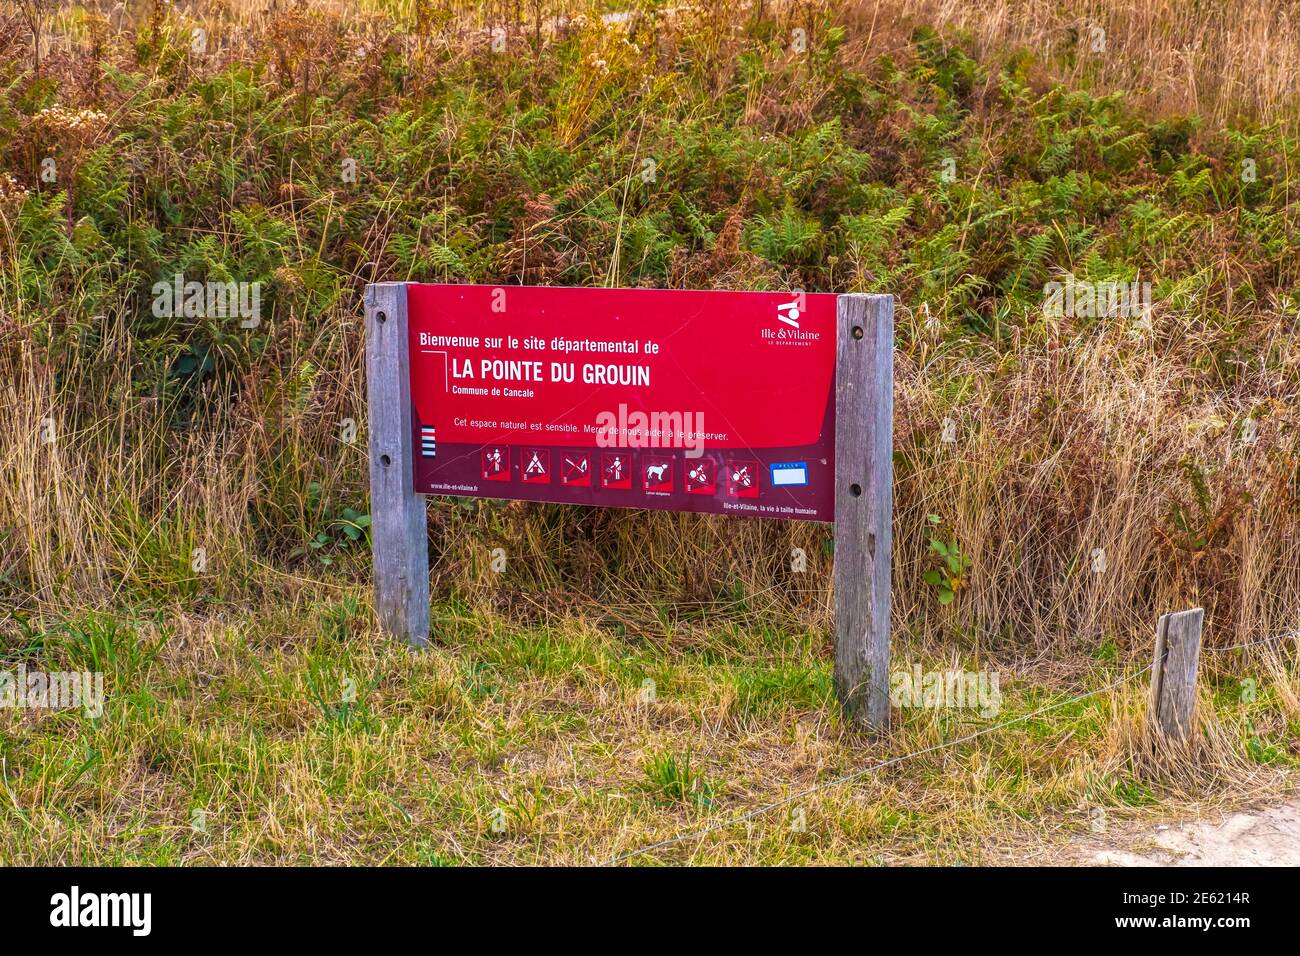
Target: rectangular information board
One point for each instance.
(770, 404)
(699, 401)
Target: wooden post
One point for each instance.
(398, 520)
(1173, 675)
(864, 501)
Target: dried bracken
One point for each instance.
(63, 122)
(1082, 472)
(12, 192)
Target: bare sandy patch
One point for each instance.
(1255, 837)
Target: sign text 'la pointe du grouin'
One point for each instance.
(636, 398)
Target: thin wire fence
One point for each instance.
(858, 774)
(701, 832)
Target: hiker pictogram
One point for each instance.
(496, 463)
(616, 471)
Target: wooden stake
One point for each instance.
(398, 520)
(864, 475)
(1173, 675)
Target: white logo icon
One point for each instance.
(789, 312)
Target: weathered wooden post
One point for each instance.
(864, 474)
(1173, 675)
(398, 520)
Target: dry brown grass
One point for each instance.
(1087, 447)
(1223, 61)
(1072, 440)
(1067, 445)
(1220, 60)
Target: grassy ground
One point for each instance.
(182, 504)
(294, 734)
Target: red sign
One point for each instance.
(633, 398)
